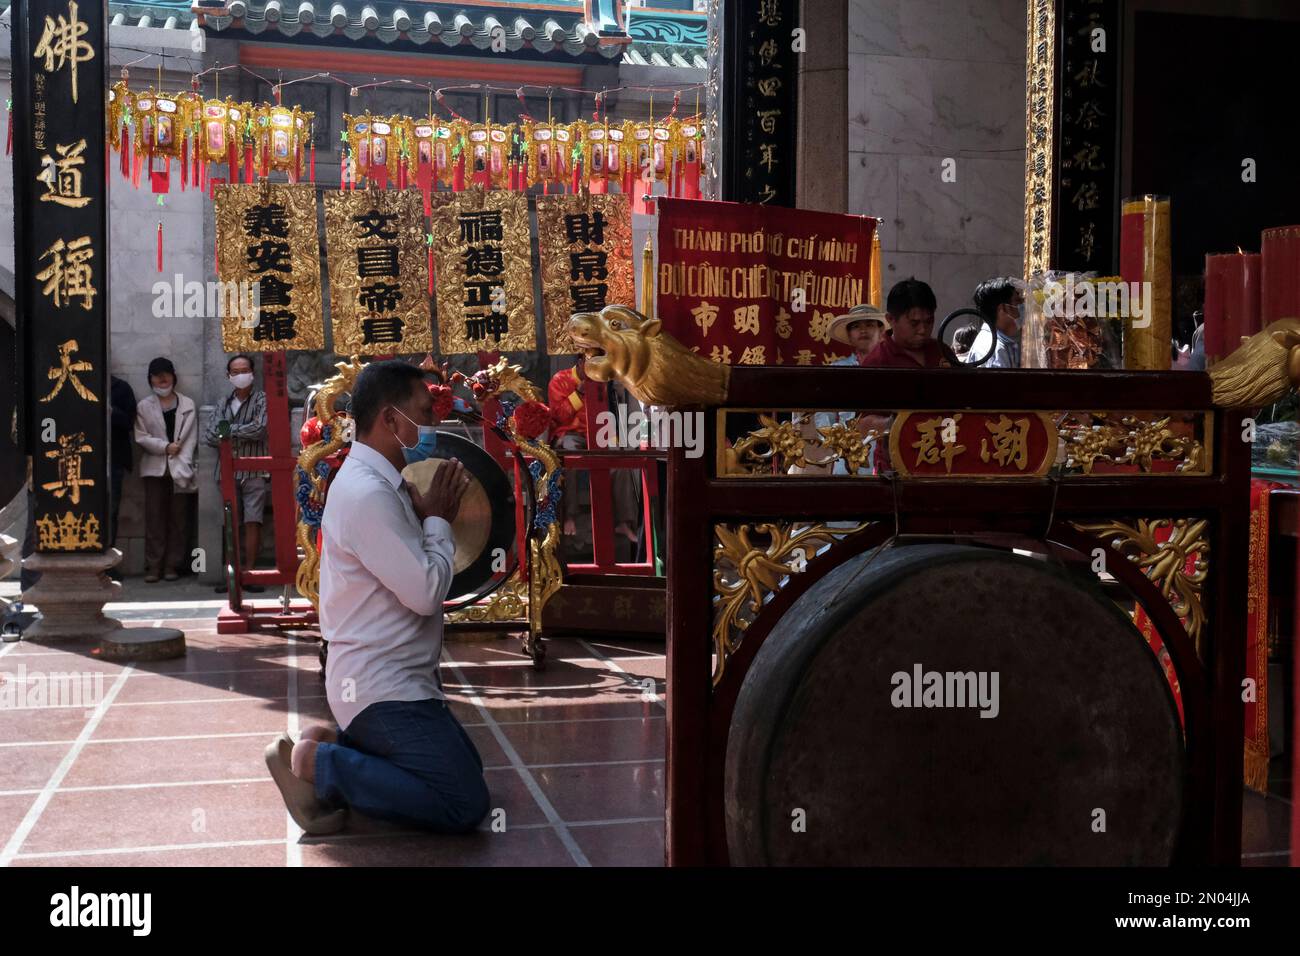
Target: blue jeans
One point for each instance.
(406, 761)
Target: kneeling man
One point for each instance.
(386, 564)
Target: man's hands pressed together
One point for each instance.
(442, 500)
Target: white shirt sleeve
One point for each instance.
(415, 566)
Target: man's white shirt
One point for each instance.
(383, 577)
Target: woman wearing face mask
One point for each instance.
(166, 429)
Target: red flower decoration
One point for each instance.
(442, 400)
(531, 419)
(309, 434)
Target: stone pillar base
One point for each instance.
(9, 550)
(71, 596)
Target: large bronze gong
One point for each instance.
(484, 529)
(1083, 763)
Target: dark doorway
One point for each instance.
(1209, 92)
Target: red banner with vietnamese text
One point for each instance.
(748, 284)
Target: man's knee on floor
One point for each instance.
(472, 808)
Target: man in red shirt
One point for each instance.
(909, 343)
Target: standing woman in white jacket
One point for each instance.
(166, 429)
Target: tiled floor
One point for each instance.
(170, 771)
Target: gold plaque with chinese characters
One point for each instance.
(584, 244)
(266, 240)
(483, 273)
(378, 268)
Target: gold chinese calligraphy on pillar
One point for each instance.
(379, 304)
(266, 237)
(585, 248)
(1040, 105)
(483, 272)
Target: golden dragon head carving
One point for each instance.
(1263, 370)
(622, 344)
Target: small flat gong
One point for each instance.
(486, 520)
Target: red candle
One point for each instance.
(1280, 278)
(1232, 293)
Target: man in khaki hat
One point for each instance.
(862, 327)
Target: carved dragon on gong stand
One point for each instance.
(313, 471)
(533, 585)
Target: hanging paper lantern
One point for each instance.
(219, 131)
(544, 162)
(562, 153)
(376, 146)
(283, 133)
(486, 163)
(162, 121)
(121, 101)
(690, 136)
(595, 156)
(459, 153)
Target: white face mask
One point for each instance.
(242, 379)
(162, 392)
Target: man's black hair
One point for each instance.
(910, 293)
(379, 385)
(992, 293)
(231, 361)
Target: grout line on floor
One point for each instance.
(108, 851)
(529, 780)
(293, 833)
(263, 733)
(37, 808)
(92, 788)
(613, 666)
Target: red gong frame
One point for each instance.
(1042, 509)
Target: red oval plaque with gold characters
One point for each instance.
(938, 444)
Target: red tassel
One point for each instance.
(248, 162)
(160, 179)
(185, 164)
(124, 154)
(160, 244)
(213, 184)
(458, 174)
(628, 179)
(313, 162)
(424, 179)
(266, 158)
(401, 174)
(380, 175)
